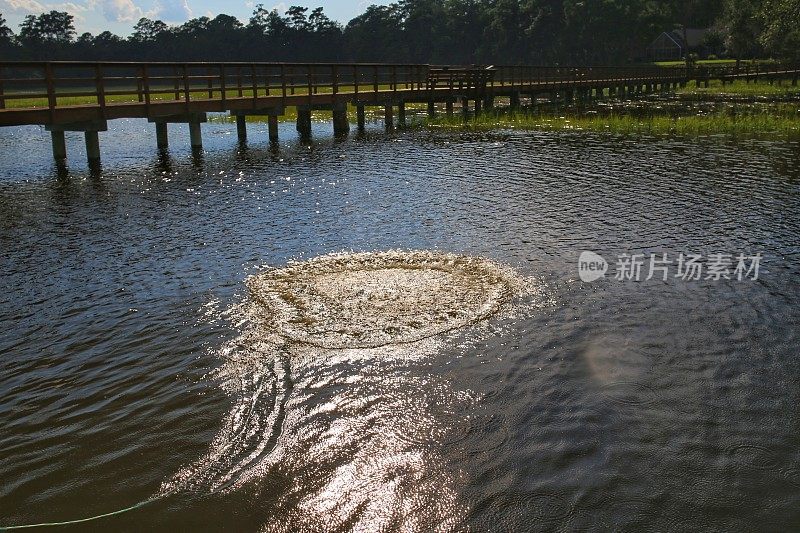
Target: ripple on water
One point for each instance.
(628, 393)
(522, 511)
(752, 457)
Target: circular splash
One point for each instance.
(369, 300)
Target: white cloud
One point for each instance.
(27, 6)
(35, 8)
(173, 10)
(120, 10)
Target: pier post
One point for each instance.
(192, 119)
(92, 145)
(401, 113)
(431, 109)
(599, 93)
(162, 139)
(304, 120)
(621, 91)
(388, 116)
(448, 106)
(241, 127)
(360, 116)
(478, 106)
(272, 124)
(464, 106)
(514, 101)
(488, 102)
(340, 123)
(195, 135)
(59, 145)
(90, 128)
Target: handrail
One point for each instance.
(62, 84)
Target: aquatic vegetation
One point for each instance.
(741, 88)
(777, 120)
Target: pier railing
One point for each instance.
(55, 84)
(64, 84)
(745, 70)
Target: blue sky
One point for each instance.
(119, 16)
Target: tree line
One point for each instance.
(427, 31)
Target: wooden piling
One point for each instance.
(360, 116)
(92, 145)
(401, 113)
(304, 120)
(431, 108)
(341, 124)
(388, 117)
(272, 124)
(195, 136)
(162, 139)
(59, 145)
(448, 106)
(241, 127)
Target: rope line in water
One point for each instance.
(79, 520)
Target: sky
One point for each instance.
(119, 16)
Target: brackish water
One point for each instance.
(138, 367)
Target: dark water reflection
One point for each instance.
(616, 405)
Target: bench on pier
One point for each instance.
(464, 79)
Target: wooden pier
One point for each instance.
(84, 96)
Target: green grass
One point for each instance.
(775, 122)
(717, 62)
(132, 97)
(742, 88)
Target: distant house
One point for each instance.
(675, 44)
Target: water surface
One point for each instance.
(130, 374)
